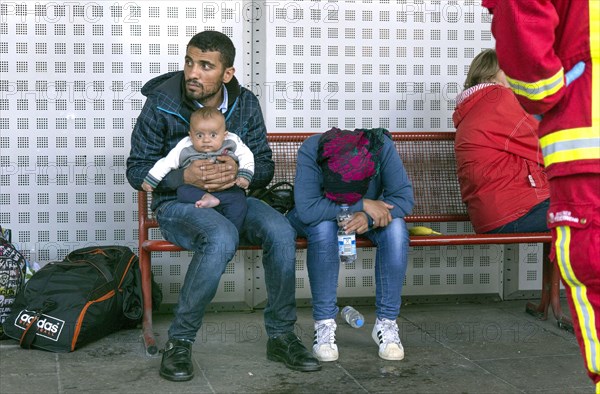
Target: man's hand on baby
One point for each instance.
(146, 186)
(212, 176)
(242, 183)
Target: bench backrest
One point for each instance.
(427, 156)
(429, 161)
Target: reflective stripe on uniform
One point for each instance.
(570, 145)
(538, 90)
(584, 311)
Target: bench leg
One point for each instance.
(147, 331)
(550, 294)
(541, 310)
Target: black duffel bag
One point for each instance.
(91, 293)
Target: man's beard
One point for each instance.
(201, 94)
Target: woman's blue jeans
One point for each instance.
(324, 265)
(214, 239)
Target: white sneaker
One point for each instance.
(385, 334)
(324, 347)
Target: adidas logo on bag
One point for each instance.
(47, 327)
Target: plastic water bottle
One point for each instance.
(346, 242)
(353, 317)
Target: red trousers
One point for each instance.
(574, 218)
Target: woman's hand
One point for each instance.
(379, 212)
(358, 223)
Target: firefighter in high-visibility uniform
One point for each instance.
(538, 42)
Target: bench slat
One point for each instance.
(434, 240)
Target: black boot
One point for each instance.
(176, 364)
(288, 349)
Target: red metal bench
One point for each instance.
(430, 162)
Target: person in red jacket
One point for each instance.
(500, 165)
(537, 42)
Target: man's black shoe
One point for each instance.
(288, 349)
(176, 364)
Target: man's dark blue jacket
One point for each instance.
(164, 121)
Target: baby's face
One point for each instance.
(207, 134)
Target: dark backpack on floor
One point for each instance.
(91, 293)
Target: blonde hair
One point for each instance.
(484, 68)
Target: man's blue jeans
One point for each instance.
(324, 265)
(214, 239)
(533, 221)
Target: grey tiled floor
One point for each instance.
(450, 348)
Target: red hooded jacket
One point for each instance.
(500, 166)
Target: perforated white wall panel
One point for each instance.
(396, 64)
(69, 97)
(70, 80)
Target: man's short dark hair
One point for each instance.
(214, 41)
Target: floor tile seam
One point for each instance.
(204, 377)
(60, 388)
(562, 390)
(526, 357)
(469, 360)
(556, 330)
(28, 374)
(347, 373)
